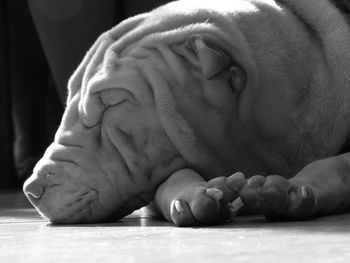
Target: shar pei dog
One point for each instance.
(200, 107)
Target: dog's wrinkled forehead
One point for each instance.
(160, 24)
(109, 55)
(117, 48)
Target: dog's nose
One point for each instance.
(33, 189)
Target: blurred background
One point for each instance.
(41, 43)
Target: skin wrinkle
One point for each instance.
(175, 66)
(156, 59)
(96, 192)
(169, 56)
(128, 140)
(49, 183)
(169, 91)
(178, 22)
(98, 95)
(137, 34)
(123, 161)
(170, 36)
(114, 184)
(147, 55)
(61, 142)
(141, 155)
(188, 62)
(148, 84)
(86, 89)
(96, 60)
(91, 67)
(163, 39)
(85, 204)
(82, 197)
(109, 136)
(130, 98)
(65, 161)
(109, 177)
(75, 82)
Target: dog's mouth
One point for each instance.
(66, 188)
(66, 191)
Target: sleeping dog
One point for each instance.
(200, 103)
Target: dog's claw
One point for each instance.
(214, 193)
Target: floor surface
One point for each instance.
(25, 237)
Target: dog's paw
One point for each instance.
(277, 198)
(209, 203)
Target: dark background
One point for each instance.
(41, 43)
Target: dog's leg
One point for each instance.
(322, 187)
(186, 199)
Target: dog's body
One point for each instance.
(168, 104)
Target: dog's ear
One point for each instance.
(212, 60)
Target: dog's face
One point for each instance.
(178, 87)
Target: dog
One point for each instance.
(198, 104)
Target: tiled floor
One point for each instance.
(25, 237)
